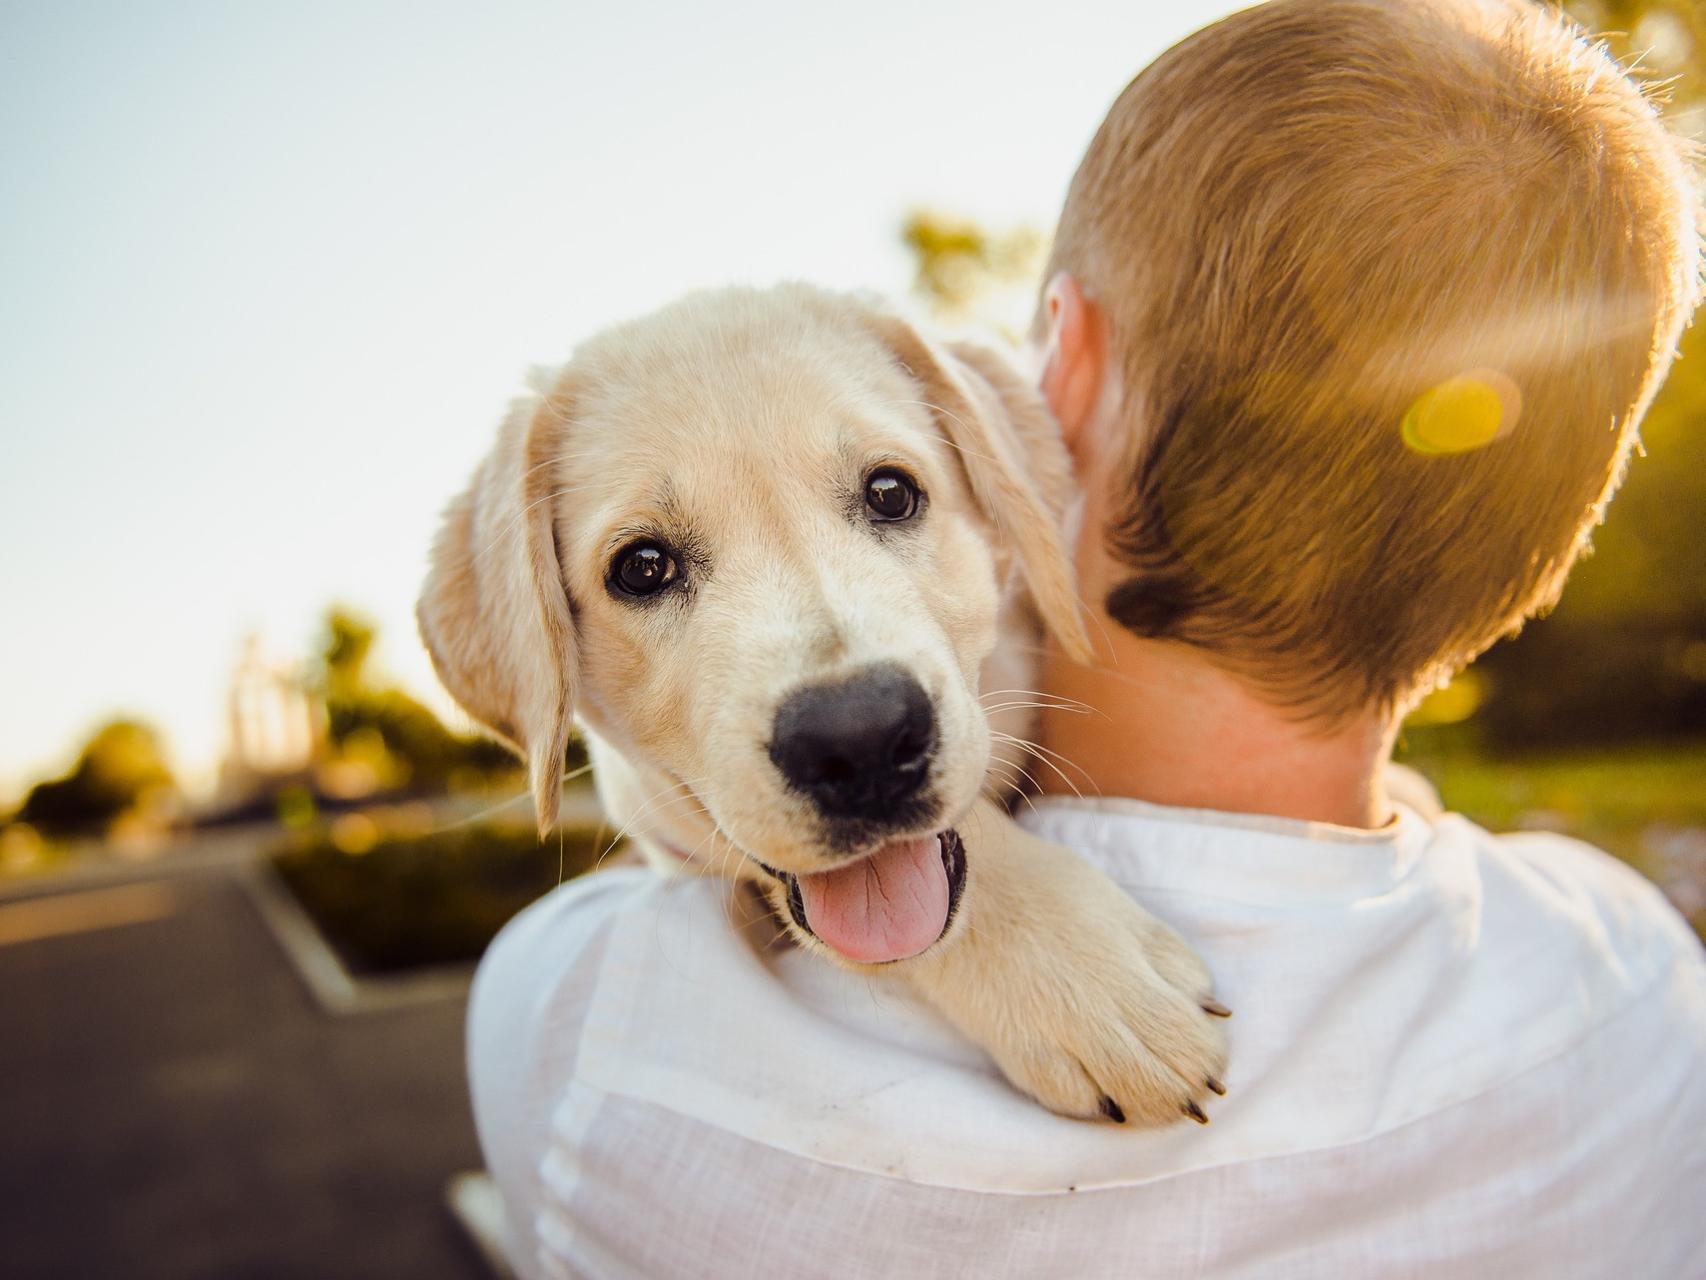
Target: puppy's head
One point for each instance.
(757, 542)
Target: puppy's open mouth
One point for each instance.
(891, 905)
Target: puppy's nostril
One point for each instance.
(909, 747)
(833, 769)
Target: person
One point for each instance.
(1353, 313)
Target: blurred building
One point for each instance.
(276, 722)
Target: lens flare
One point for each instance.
(1461, 414)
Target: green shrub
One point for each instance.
(404, 902)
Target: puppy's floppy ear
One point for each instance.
(1014, 457)
(494, 612)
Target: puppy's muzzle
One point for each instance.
(859, 748)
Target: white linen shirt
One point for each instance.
(1452, 1054)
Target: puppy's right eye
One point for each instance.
(891, 496)
(643, 569)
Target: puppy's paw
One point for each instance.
(1085, 1001)
(1117, 1025)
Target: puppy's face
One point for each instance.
(758, 543)
(782, 587)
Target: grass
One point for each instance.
(394, 902)
(1611, 798)
(1639, 804)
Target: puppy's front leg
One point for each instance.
(1085, 1001)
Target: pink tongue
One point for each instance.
(888, 906)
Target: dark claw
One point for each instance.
(1111, 1109)
(1215, 1085)
(1196, 1113)
(1211, 1005)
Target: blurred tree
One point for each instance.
(1624, 654)
(399, 740)
(122, 768)
(963, 272)
(1663, 41)
(345, 649)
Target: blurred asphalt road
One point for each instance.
(172, 1103)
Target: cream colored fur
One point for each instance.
(739, 425)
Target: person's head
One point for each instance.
(1354, 310)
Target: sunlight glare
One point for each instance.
(1462, 414)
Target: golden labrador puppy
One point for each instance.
(767, 547)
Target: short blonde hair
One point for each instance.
(1389, 287)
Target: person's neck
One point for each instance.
(1160, 722)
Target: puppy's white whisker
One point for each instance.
(1011, 784)
(1026, 774)
(524, 797)
(1043, 651)
(1040, 749)
(1040, 706)
(1042, 755)
(1053, 699)
(948, 413)
(650, 807)
(1029, 693)
(1086, 610)
(1025, 744)
(657, 808)
(508, 525)
(685, 865)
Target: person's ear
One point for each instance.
(1074, 357)
(494, 612)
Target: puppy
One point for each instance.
(768, 548)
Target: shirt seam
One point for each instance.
(1297, 829)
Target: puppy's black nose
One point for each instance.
(857, 748)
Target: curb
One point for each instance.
(333, 987)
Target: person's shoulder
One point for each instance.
(552, 936)
(1567, 888)
(1620, 957)
(530, 994)
(1577, 879)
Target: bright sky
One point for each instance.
(269, 273)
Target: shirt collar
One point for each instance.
(1241, 855)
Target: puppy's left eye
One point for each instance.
(643, 569)
(890, 495)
